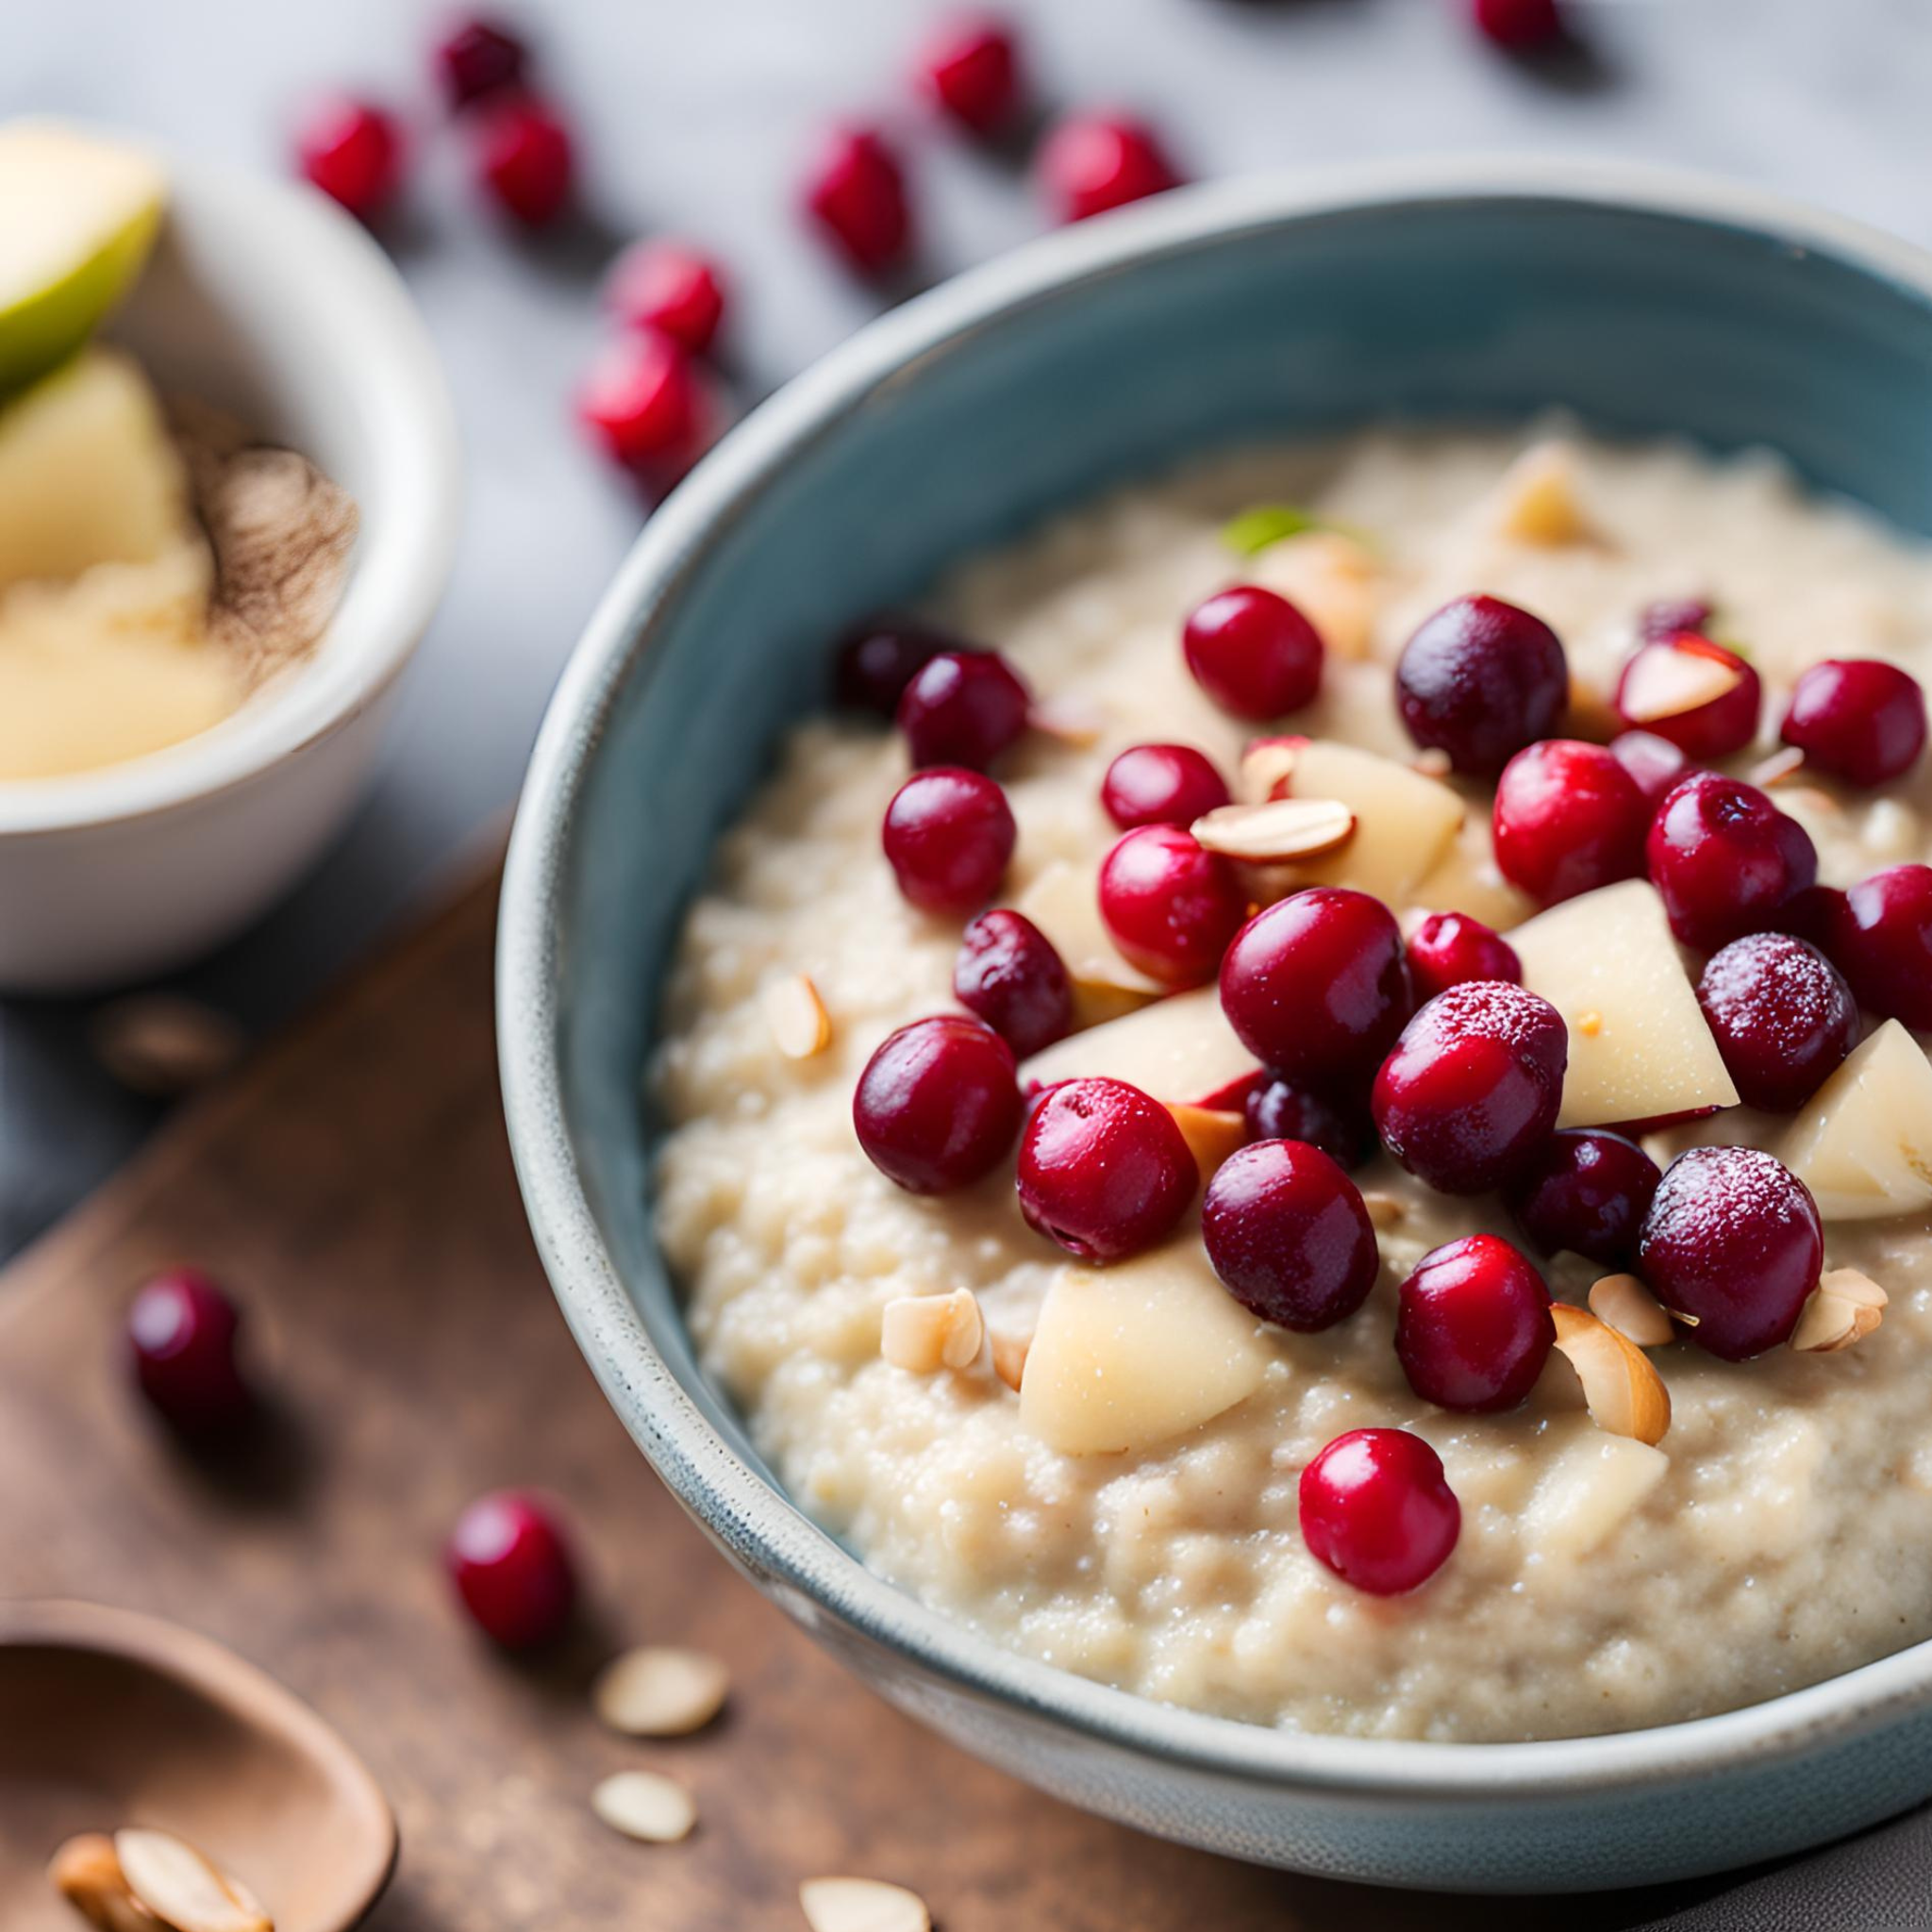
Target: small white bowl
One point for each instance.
(267, 300)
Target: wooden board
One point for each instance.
(354, 1187)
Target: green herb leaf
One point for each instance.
(1267, 523)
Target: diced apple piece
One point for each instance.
(1181, 1051)
(1537, 501)
(1588, 1486)
(1330, 579)
(1466, 880)
(1064, 902)
(1639, 1045)
(1863, 1146)
(1404, 822)
(1130, 1356)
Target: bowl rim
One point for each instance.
(352, 285)
(749, 1515)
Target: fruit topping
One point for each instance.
(1479, 680)
(1277, 1110)
(878, 660)
(181, 1338)
(937, 1105)
(1655, 765)
(1568, 818)
(1449, 948)
(963, 708)
(1253, 653)
(1702, 697)
(1879, 936)
(1169, 904)
(671, 287)
(512, 1569)
(948, 834)
(1377, 1510)
(1472, 1325)
(971, 69)
(1103, 1171)
(1180, 1049)
(855, 193)
(353, 152)
(525, 160)
(1863, 1144)
(1858, 718)
(1586, 1191)
(1724, 859)
(1092, 162)
(477, 58)
(1161, 785)
(1782, 1016)
(644, 404)
(1008, 973)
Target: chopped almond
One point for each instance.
(1267, 769)
(87, 1874)
(796, 1015)
(1666, 683)
(1626, 1304)
(1212, 1133)
(1624, 1394)
(1784, 764)
(1072, 721)
(1009, 1358)
(1846, 1307)
(861, 1905)
(183, 1888)
(1536, 499)
(925, 1333)
(1280, 831)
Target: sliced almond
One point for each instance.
(183, 1889)
(796, 1015)
(1279, 831)
(1432, 761)
(1538, 500)
(1845, 1307)
(645, 1805)
(1009, 1358)
(1783, 764)
(1267, 769)
(660, 1691)
(87, 1876)
(862, 1905)
(1665, 682)
(925, 1333)
(1385, 1210)
(1211, 1133)
(1624, 1302)
(1072, 720)
(1624, 1394)
(163, 1046)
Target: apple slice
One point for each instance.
(1537, 501)
(1180, 1051)
(1130, 1356)
(1465, 880)
(1330, 579)
(1663, 682)
(1589, 1485)
(1064, 902)
(1403, 820)
(1639, 1045)
(1863, 1144)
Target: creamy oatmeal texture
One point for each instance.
(1783, 1530)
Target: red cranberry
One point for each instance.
(963, 708)
(1781, 1015)
(1655, 765)
(1568, 818)
(1254, 653)
(971, 68)
(669, 287)
(354, 152)
(1711, 730)
(1169, 904)
(525, 160)
(1161, 785)
(938, 1105)
(948, 834)
(1448, 948)
(1472, 1326)
(1092, 162)
(477, 58)
(1880, 938)
(1103, 1171)
(1010, 975)
(1481, 679)
(1812, 915)
(1276, 1110)
(1666, 617)
(1316, 986)
(181, 1333)
(1732, 1241)
(1724, 859)
(1376, 1509)
(1586, 1190)
(644, 404)
(1518, 24)
(1288, 1236)
(512, 1569)
(1473, 1085)
(1858, 719)
(856, 195)
(879, 659)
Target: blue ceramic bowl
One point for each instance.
(1646, 303)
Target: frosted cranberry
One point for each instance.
(1518, 24)
(1782, 1017)
(1092, 162)
(1666, 617)
(1567, 819)
(181, 1336)
(1585, 1190)
(1725, 859)
(1161, 785)
(353, 152)
(512, 1569)
(878, 660)
(669, 287)
(1481, 679)
(1732, 1241)
(1713, 730)
(1473, 1085)
(1655, 763)
(1288, 1236)
(1448, 948)
(1277, 1110)
(1103, 1171)
(1010, 975)
(1881, 940)
(526, 160)
(938, 1105)
(1254, 653)
(644, 404)
(971, 68)
(963, 708)
(1472, 1325)
(1316, 986)
(477, 58)
(1376, 1509)
(856, 195)
(1169, 904)
(948, 834)
(1858, 719)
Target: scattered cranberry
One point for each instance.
(524, 159)
(1010, 975)
(1472, 1325)
(1473, 1085)
(1668, 617)
(1813, 915)
(1711, 730)
(1724, 859)
(1254, 653)
(1858, 719)
(1880, 938)
(1103, 1171)
(644, 404)
(971, 68)
(512, 1569)
(1276, 1110)
(1782, 1017)
(963, 708)
(1655, 765)
(878, 660)
(181, 1333)
(1519, 25)
(856, 195)
(948, 834)
(938, 1105)
(1316, 986)
(1169, 904)
(1481, 679)
(1567, 819)
(1092, 162)
(1448, 948)
(1586, 1190)
(477, 58)
(1161, 785)
(1376, 1509)
(669, 287)
(1732, 1241)
(354, 152)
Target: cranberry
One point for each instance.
(856, 195)
(354, 152)
(1316, 986)
(181, 1333)
(525, 160)
(1711, 730)
(1169, 904)
(1881, 939)
(1276, 1110)
(1448, 948)
(963, 708)
(1481, 679)
(1655, 765)
(1092, 162)
(1472, 1325)
(948, 834)
(1518, 24)
(1732, 1242)
(1666, 617)
(938, 1105)
(1161, 785)
(971, 68)
(1288, 1236)
(1586, 1190)
(1473, 1085)
(1103, 1171)
(1813, 915)
(477, 58)
(1782, 1017)
(1724, 859)
(1376, 1509)
(1858, 719)
(1567, 819)
(1010, 975)
(669, 287)
(879, 659)
(512, 1569)
(1254, 653)
(644, 406)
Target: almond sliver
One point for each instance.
(1624, 1302)
(1663, 682)
(1845, 1307)
(1009, 1358)
(1279, 831)
(182, 1888)
(1267, 769)
(645, 1805)
(861, 1905)
(796, 1015)
(925, 1333)
(1624, 1394)
(660, 1691)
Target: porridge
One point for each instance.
(1109, 1414)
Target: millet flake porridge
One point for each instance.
(1103, 1465)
